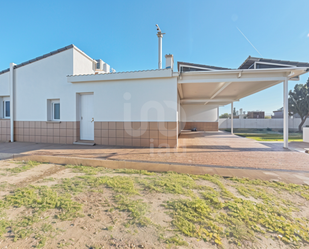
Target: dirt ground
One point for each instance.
(133, 211)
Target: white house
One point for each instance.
(67, 97)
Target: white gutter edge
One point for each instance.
(305, 69)
(151, 74)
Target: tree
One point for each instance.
(234, 111)
(299, 102)
(224, 115)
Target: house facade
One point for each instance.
(125, 109)
(67, 97)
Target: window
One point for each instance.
(6, 109)
(56, 110)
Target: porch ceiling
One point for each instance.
(226, 86)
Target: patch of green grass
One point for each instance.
(300, 190)
(88, 170)
(24, 166)
(170, 183)
(22, 233)
(48, 179)
(42, 240)
(176, 240)
(271, 137)
(212, 198)
(136, 208)
(206, 213)
(216, 180)
(4, 223)
(71, 185)
(120, 184)
(221, 214)
(44, 198)
(194, 218)
(134, 171)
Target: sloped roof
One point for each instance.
(39, 58)
(250, 61)
(197, 67)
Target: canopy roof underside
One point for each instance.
(221, 87)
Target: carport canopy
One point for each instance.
(215, 86)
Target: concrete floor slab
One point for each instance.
(198, 152)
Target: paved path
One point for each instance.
(217, 150)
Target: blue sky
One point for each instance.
(123, 34)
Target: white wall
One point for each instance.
(82, 64)
(276, 123)
(306, 134)
(39, 81)
(5, 84)
(199, 113)
(132, 100)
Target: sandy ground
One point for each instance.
(92, 230)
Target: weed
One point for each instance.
(301, 190)
(42, 240)
(194, 219)
(25, 166)
(87, 169)
(49, 179)
(74, 185)
(216, 179)
(211, 197)
(22, 233)
(46, 228)
(134, 171)
(136, 208)
(170, 183)
(176, 240)
(3, 225)
(44, 198)
(121, 184)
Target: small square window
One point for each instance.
(55, 110)
(6, 109)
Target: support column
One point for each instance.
(232, 118)
(11, 79)
(285, 114)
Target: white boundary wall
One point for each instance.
(277, 123)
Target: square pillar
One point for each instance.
(232, 118)
(12, 97)
(285, 114)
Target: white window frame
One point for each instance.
(53, 102)
(5, 100)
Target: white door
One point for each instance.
(86, 117)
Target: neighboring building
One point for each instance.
(256, 114)
(279, 114)
(67, 97)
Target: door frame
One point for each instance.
(79, 111)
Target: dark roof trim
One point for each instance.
(250, 61)
(187, 64)
(4, 71)
(39, 58)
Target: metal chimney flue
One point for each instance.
(160, 36)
